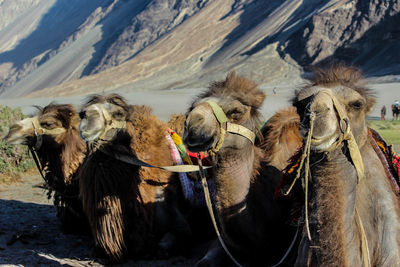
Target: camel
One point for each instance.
(251, 222)
(55, 136)
(351, 205)
(129, 207)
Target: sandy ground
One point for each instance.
(167, 102)
(30, 233)
(164, 103)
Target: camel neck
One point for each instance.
(233, 177)
(64, 159)
(331, 208)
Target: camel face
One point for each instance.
(92, 122)
(327, 103)
(52, 123)
(20, 132)
(96, 117)
(202, 129)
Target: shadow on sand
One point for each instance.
(30, 235)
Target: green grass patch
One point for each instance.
(14, 159)
(389, 130)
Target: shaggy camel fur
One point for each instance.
(61, 155)
(251, 222)
(335, 194)
(129, 207)
(281, 136)
(177, 123)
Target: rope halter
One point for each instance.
(110, 124)
(346, 135)
(39, 131)
(226, 126)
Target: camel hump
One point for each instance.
(281, 137)
(177, 123)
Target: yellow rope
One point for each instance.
(364, 241)
(305, 157)
(218, 146)
(307, 173)
(211, 211)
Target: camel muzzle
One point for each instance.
(227, 127)
(198, 142)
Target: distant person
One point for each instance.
(396, 109)
(383, 112)
(274, 90)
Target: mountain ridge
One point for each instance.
(162, 44)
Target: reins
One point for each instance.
(211, 211)
(345, 136)
(137, 162)
(130, 159)
(37, 161)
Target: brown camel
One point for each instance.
(177, 123)
(129, 207)
(353, 210)
(281, 137)
(61, 152)
(251, 222)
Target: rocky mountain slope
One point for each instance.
(56, 47)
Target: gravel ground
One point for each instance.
(30, 232)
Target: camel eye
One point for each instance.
(356, 104)
(118, 114)
(235, 113)
(47, 124)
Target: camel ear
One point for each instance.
(231, 76)
(370, 104)
(39, 108)
(259, 99)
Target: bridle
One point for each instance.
(38, 132)
(110, 124)
(227, 127)
(346, 136)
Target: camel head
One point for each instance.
(239, 98)
(336, 101)
(51, 124)
(103, 116)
